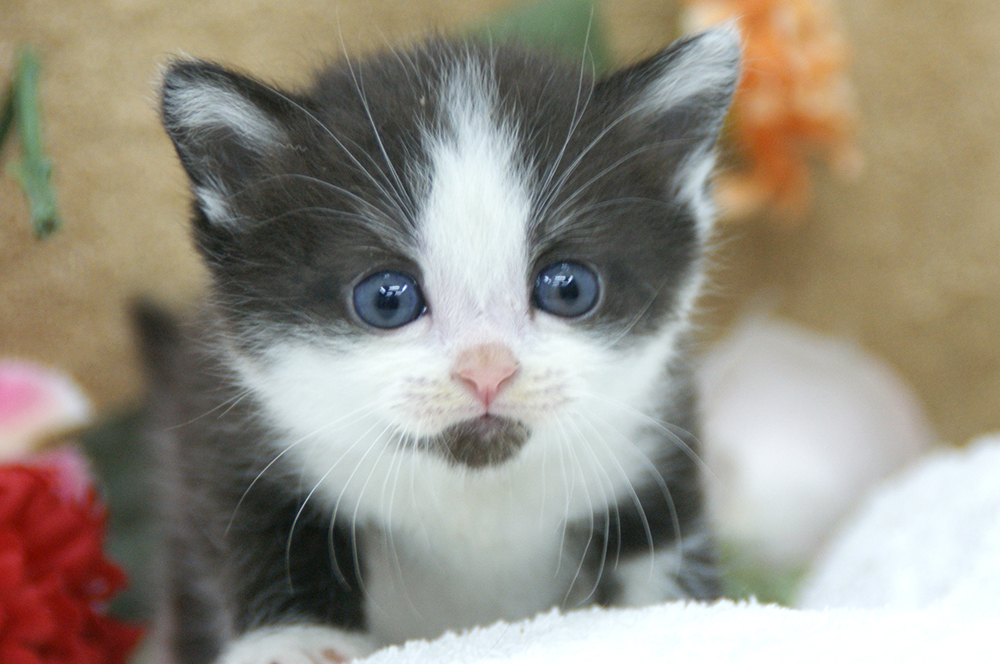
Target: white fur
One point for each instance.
(656, 576)
(446, 546)
(479, 204)
(512, 569)
(481, 530)
(709, 63)
(214, 205)
(200, 107)
(297, 644)
(691, 184)
(203, 106)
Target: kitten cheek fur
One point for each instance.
(469, 169)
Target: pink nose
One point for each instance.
(484, 369)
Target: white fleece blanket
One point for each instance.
(923, 555)
(722, 632)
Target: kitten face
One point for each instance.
(525, 240)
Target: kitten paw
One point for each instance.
(298, 644)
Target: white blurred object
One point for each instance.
(930, 538)
(797, 427)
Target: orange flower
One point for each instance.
(794, 102)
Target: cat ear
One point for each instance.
(680, 97)
(226, 128)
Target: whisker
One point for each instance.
(663, 427)
(371, 178)
(568, 494)
(417, 435)
(543, 212)
(399, 453)
(364, 411)
(580, 190)
(657, 476)
(375, 217)
(544, 475)
(357, 505)
(607, 519)
(578, 113)
(340, 497)
(230, 402)
(590, 512)
(399, 189)
(630, 487)
(302, 507)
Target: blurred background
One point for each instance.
(904, 259)
(896, 253)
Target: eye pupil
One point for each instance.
(566, 289)
(388, 300)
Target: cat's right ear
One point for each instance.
(227, 129)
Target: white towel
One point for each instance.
(929, 538)
(923, 555)
(679, 633)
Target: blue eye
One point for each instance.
(566, 289)
(388, 299)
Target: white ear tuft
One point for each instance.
(704, 69)
(682, 96)
(200, 107)
(226, 129)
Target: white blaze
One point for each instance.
(473, 235)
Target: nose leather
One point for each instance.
(485, 369)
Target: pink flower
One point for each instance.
(36, 403)
(54, 578)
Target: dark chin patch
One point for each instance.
(484, 441)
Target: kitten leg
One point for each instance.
(298, 644)
(677, 571)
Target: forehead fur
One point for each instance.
(473, 226)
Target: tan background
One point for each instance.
(904, 261)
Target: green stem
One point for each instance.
(33, 170)
(6, 114)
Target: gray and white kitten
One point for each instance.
(438, 381)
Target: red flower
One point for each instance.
(54, 578)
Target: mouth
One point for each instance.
(484, 441)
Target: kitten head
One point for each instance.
(465, 255)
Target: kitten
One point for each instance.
(439, 380)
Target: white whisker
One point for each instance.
(316, 486)
(661, 483)
(672, 431)
(608, 502)
(365, 410)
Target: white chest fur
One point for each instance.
(420, 584)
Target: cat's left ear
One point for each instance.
(227, 128)
(679, 98)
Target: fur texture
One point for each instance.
(378, 483)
